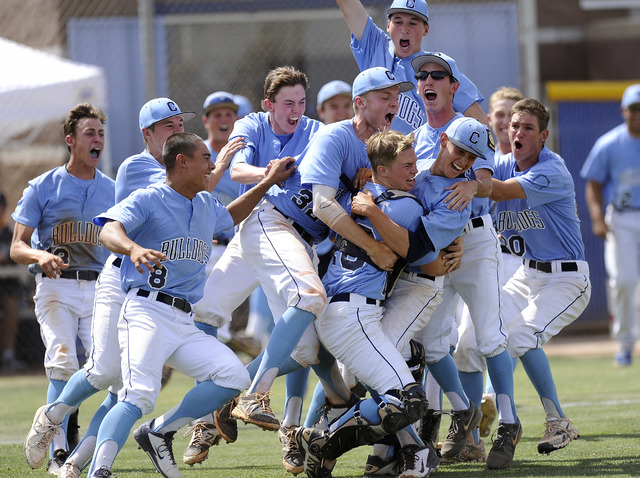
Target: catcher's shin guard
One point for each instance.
(418, 361)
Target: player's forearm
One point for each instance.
(22, 253)
(593, 197)
(114, 237)
(244, 173)
(475, 111)
(393, 235)
(241, 207)
(355, 15)
(505, 190)
(485, 185)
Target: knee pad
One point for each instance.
(417, 361)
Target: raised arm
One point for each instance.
(223, 161)
(245, 173)
(504, 190)
(355, 15)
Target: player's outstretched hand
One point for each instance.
(362, 203)
(228, 150)
(384, 257)
(462, 192)
(278, 170)
(149, 258)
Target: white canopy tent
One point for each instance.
(38, 87)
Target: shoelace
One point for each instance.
(408, 458)
(263, 398)
(291, 441)
(47, 432)
(168, 446)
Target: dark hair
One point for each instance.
(535, 108)
(83, 110)
(179, 143)
(282, 76)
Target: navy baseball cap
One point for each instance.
(631, 96)
(438, 58)
(331, 89)
(219, 99)
(377, 78)
(159, 109)
(418, 8)
(469, 134)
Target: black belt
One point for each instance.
(220, 241)
(346, 297)
(79, 275)
(117, 262)
(477, 222)
(424, 276)
(177, 302)
(547, 266)
(306, 237)
(505, 249)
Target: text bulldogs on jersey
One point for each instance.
(410, 111)
(76, 231)
(190, 248)
(519, 221)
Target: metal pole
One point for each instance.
(146, 11)
(528, 26)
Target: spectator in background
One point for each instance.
(612, 171)
(10, 293)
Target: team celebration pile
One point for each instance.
(399, 247)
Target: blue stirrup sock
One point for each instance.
(60, 439)
(446, 374)
(317, 402)
(284, 338)
(536, 364)
(500, 369)
(296, 386)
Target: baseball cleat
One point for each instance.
(429, 428)
(205, 435)
(462, 423)
(622, 358)
(417, 461)
(39, 438)
(103, 472)
(292, 457)
(69, 470)
(55, 463)
(558, 433)
(377, 466)
(489, 414)
(472, 452)
(159, 447)
(504, 446)
(255, 408)
(310, 441)
(226, 424)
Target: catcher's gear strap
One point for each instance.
(420, 244)
(418, 361)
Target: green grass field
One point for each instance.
(603, 403)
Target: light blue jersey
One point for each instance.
(614, 161)
(159, 218)
(263, 145)
(442, 225)
(547, 218)
(138, 172)
(375, 48)
(427, 149)
(60, 208)
(333, 151)
(351, 274)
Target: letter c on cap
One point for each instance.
(411, 4)
(475, 136)
(172, 106)
(389, 75)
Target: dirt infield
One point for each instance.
(598, 345)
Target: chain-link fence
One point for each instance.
(120, 53)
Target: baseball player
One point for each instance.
(164, 233)
(613, 198)
(287, 221)
(418, 291)
(334, 103)
(536, 198)
(54, 235)
(477, 281)
(279, 132)
(408, 23)
(350, 327)
(158, 119)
